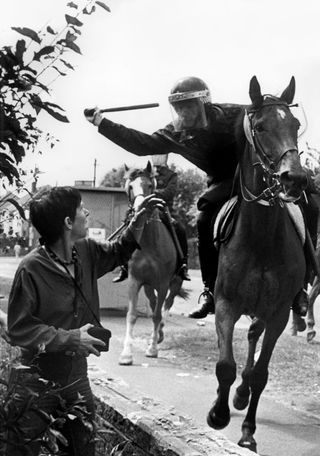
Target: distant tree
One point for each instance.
(114, 178)
(27, 69)
(191, 184)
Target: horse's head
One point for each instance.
(139, 182)
(272, 132)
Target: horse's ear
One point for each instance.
(126, 168)
(149, 167)
(288, 93)
(255, 92)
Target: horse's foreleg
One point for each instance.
(152, 350)
(126, 358)
(242, 394)
(311, 333)
(219, 414)
(259, 377)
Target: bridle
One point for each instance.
(270, 195)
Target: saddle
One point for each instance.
(227, 216)
(225, 222)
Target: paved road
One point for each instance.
(281, 431)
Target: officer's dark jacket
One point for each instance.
(212, 149)
(167, 182)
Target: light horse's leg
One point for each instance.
(226, 317)
(126, 358)
(314, 293)
(242, 394)
(259, 375)
(151, 295)
(152, 350)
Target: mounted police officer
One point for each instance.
(204, 133)
(166, 189)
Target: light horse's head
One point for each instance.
(270, 165)
(139, 183)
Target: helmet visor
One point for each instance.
(188, 114)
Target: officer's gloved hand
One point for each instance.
(94, 116)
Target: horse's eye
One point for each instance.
(258, 127)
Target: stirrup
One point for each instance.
(206, 291)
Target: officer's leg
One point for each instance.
(182, 238)
(208, 257)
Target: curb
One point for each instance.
(145, 427)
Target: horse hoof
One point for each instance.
(240, 402)
(300, 324)
(311, 335)
(126, 360)
(248, 443)
(152, 353)
(215, 422)
(160, 337)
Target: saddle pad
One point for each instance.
(222, 220)
(298, 220)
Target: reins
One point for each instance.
(269, 196)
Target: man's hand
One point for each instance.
(87, 342)
(143, 213)
(93, 115)
(148, 205)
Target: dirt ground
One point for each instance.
(294, 371)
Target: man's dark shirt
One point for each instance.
(213, 149)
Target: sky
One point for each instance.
(134, 55)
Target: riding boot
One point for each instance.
(208, 257)
(205, 305)
(123, 275)
(183, 270)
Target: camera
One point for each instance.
(100, 333)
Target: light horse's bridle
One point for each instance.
(272, 193)
(128, 187)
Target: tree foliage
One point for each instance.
(114, 177)
(191, 184)
(27, 69)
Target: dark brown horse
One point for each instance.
(153, 266)
(262, 266)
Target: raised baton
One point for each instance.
(90, 112)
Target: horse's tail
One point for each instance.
(184, 293)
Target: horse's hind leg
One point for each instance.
(219, 414)
(311, 333)
(150, 293)
(259, 377)
(242, 394)
(126, 358)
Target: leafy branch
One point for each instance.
(23, 80)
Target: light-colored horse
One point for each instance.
(262, 266)
(152, 267)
